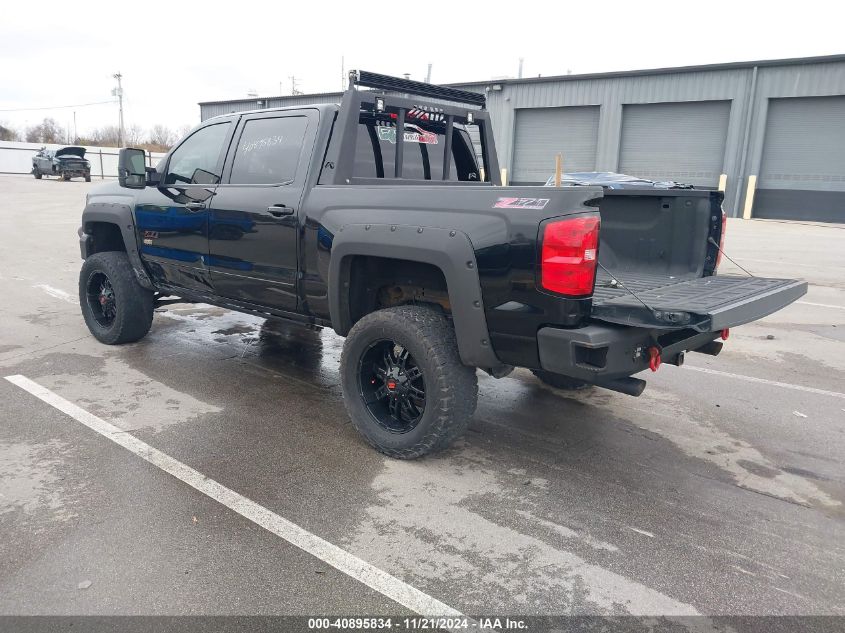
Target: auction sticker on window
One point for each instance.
(521, 203)
(413, 134)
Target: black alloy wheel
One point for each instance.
(101, 300)
(116, 307)
(404, 385)
(392, 386)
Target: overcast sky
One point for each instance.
(173, 55)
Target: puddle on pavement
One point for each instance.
(423, 527)
(126, 397)
(29, 481)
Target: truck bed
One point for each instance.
(655, 243)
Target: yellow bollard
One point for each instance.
(558, 169)
(504, 175)
(749, 197)
(723, 182)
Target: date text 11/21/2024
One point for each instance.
(420, 623)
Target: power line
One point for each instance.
(76, 105)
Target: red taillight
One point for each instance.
(569, 254)
(722, 238)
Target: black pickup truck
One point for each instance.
(379, 218)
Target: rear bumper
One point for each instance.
(602, 353)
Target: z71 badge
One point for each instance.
(521, 203)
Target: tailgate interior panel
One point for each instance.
(704, 303)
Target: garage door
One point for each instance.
(542, 133)
(684, 142)
(802, 172)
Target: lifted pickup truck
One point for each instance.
(376, 218)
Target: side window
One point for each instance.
(268, 151)
(197, 159)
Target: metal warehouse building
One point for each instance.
(774, 127)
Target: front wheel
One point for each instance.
(404, 385)
(37, 174)
(87, 177)
(116, 308)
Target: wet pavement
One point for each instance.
(720, 491)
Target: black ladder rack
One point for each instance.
(368, 79)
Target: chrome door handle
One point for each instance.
(193, 207)
(279, 210)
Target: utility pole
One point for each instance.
(293, 89)
(519, 75)
(75, 135)
(428, 75)
(118, 92)
(342, 74)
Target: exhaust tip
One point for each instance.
(630, 386)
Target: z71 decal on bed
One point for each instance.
(521, 203)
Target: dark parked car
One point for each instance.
(374, 218)
(66, 163)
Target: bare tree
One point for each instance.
(106, 136)
(182, 132)
(9, 133)
(161, 136)
(48, 131)
(135, 135)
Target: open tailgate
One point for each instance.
(706, 304)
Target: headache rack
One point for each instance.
(403, 98)
(385, 82)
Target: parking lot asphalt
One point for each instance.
(719, 491)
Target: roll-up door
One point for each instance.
(542, 133)
(683, 141)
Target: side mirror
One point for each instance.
(131, 168)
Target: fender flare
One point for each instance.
(449, 250)
(121, 216)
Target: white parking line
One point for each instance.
(820, 305)
(785, 385)
(643, 532)
(340, 559)
(55, 292)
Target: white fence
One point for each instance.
(16, 158)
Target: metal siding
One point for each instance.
(475, 137)
(675, 141)
(541, 133)
(804, 146)
(743, 153)
(208, 110)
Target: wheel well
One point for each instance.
(105, 237)
(383, 282)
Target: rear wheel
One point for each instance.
(37, 174)
(87, 177)
(116, 308)
(559, 381)
(65, 177)
(404, 385)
